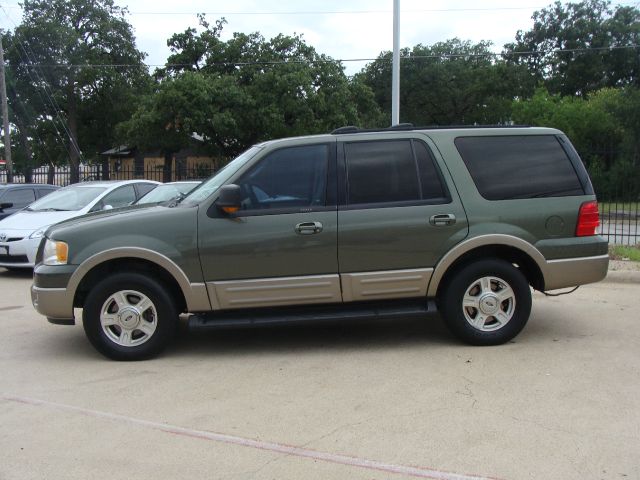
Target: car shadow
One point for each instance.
(350, 335)
(16, 272)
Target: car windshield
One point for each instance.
(168, 191)
(74, 197)
(209, 187)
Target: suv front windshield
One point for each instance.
(69, 198)
(209, 187)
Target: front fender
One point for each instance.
(195, 294)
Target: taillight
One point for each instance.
(588, 219)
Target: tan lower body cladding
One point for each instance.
(307, 290)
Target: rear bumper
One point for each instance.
(53, 303)
(569, 272)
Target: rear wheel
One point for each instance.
(129, 316)
(487, 302)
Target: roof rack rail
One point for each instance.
(348, 129)
(410, 126)
(401, 126)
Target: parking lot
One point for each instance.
(397, 399)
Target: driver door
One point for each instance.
(281, 247)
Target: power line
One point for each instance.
(334, 12)
(356, 12)
(49, 96)
(342, 60)
(345, 12)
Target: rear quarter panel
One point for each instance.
(547, 223)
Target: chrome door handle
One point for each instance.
(442, 219)
(308, 228)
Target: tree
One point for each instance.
(578, 48)
(182, 106)
(79, 58)
(451, 82)
(288, 87)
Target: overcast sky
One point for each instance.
(346, 29)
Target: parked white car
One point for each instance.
(20, 233)
(168, 191)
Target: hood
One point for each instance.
(27, 221)
(101, 214)
(125, 215)
(169, 231)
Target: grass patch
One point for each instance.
(623, 252)
(632, 207)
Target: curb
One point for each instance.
(622, 276)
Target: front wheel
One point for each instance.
(129, 316)
(487, 302)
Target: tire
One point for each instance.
(118, 327)
(487, 302)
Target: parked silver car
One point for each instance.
(20, 233)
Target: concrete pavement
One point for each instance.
(398, 399)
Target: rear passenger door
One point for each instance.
(398, 214)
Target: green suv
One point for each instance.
(350, 225)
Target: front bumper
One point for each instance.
(50, 295)
(54, 304)
(19, 253)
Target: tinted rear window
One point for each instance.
(383, 171)
(520, 166)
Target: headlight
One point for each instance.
(39, 233)
(55, 252)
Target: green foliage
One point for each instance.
(245, 90)
(606, 40)
(75, 92)
(452, 82)
(186, 104)
(592, 127)
(622, 252)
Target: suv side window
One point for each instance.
(292, 179)
(519, 166)
(392, 171)
(430, 177)
(20, 197)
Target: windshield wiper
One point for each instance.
(175, 201)
(51, 210)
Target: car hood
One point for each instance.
(27, 221)
(104, 214)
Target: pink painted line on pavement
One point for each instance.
(418, 472)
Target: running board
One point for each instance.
(310, 314)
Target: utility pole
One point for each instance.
(5, 117)
(395, 76)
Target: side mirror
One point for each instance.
(107, 207)
(5, 205)
(229, 199)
